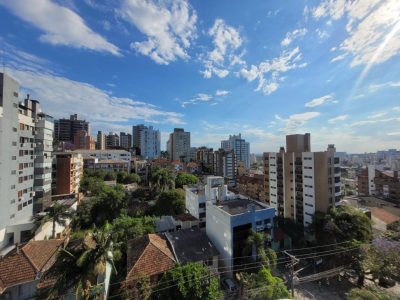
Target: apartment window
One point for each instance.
(308, 204)
(25, 204)
(202, 205)
(308, 168)
(258, 223)
(19, 207)
(13, 187)
(308, 186)
(306, 176)
(29, 202)
(202, 215)
(12, 201)
(13, 172)
(14, 143)
(12, 216)
(307, 158)
(20, 193)
(13, 157)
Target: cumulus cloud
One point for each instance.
(224, 56)
(221, 93)
(338, 119)
(170, 27)
(321, 101)
(290, 36)
(269, 72)
(61, 25)
(372, 27)
(60, 96)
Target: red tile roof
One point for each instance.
(147, 256)
(24, 265)
(383, 215)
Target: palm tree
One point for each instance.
(162, 180)
(258, 241)
(81, 262)
(57, 213)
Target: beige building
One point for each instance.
(298, 182)
(178, 145)
(68, 172)
(101, 141)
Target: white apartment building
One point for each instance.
(299, 182)
(240, 147)
(178, 145)
(110, 154)
(17, 128)
(150, 143)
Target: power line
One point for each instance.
(243, 269)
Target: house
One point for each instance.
(21, 270)
(193, 245)
(148, 256)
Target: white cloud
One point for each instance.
(397, 133)
(338, 118)
(372, 27)
(376, 86)
(213, 99)
(321, 101)
(60, 96)
(170, 27)
(295, 121)
(374, 121)
(377, 115)
(339, 57)
(223, 57)
(396, 108)
(288, 60)
(322, 34)
(61, 25)
(290, 36)
(221, 93)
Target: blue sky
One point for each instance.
(262, 68)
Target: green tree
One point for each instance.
(171, 202)
(258, 241)
(108, 205)
(131, 178)
(78, 264)
(57, 214)
(161, 180)
(110, 176)
(83, 216)
(121, 176)
(263, 285)
(90, 185)
(190, 281)
(185, 179)
(370, 293)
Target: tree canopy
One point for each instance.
(161, 180)
(171, 202)
(190, 281)
(185, 179)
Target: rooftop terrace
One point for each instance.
(240, 205)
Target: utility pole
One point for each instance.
(294, 261)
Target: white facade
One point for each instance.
(178, 146)
(308, 187)
(221, 223)
(371, 181)
(150, 143)
(16, 164)
(108, 155)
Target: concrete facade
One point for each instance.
(178, 145)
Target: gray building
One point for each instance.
(112, 141)
(136, 133)
(240, 147)
(65, 129)
(125, 140)
(100, 141)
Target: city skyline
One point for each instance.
(264, 71)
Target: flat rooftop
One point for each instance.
(240, 206)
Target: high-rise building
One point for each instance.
(112, 141)
(150, 143)
(299, 182)
(136, 132)
(67, 173)
(179, 145)
(240, 147)
(65, 129)
(225, 165)
(205, 157)
(125, 140)
(43, 161)
(82, 140)
(18, 126)
(101, 141)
